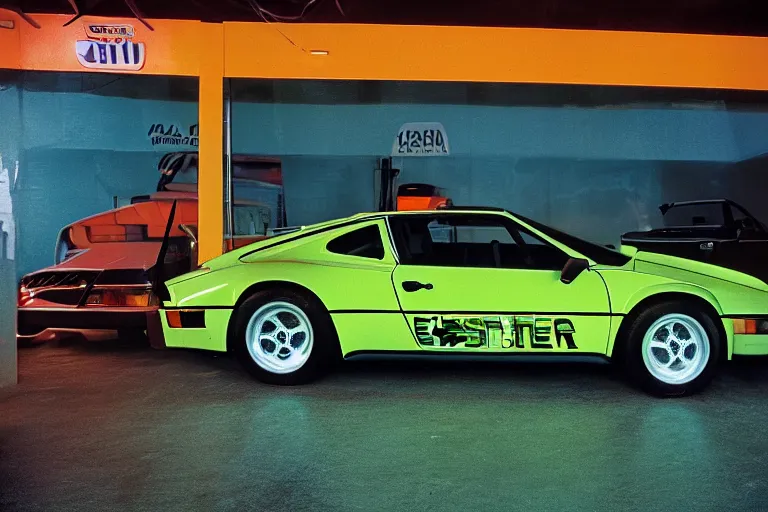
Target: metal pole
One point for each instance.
(228, 181)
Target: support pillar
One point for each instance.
(210, 182)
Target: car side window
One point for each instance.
(471, 240)
(364, 242)
(737, 214)
(695, 214)
(743, 219)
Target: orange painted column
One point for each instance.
(210, 181)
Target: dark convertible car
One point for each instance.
(716, 231)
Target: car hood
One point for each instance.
(698, 267)
(112, 256)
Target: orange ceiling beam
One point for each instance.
(387, 52)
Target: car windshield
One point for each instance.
(597, 253)
(696, 214)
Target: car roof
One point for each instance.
(664, 208)
(698, 201)
(302, 231)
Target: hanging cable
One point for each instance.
(264, 13)
(20, 13)
(130, 3)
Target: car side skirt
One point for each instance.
(750, 344)
(383, 331)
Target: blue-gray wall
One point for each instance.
(596, 172)
(703, 134)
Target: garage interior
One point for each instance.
(115, 424)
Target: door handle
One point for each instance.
(412, 286)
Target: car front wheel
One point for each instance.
(673, 349)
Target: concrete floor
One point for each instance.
(108, 427)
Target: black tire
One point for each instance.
(324, 353)
(630, 353)
(134, 336)
(28, 343)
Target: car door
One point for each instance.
(480, 282)
(746, 250)
(698, 231)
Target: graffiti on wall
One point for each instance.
(421, 139)
(170, 135)
(7, 226)
(489, 332)
(110, 46)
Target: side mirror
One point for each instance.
(190, 231)
(573, 267)
(748, 224)
(746, 228)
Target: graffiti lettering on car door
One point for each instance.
(505, 332)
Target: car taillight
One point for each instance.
(750, 326)
(118, 297)
(174, 318)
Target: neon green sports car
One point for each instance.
(463, 280)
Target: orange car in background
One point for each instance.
(105, 264)
(420, 196)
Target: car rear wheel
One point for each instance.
(672, 349)
(284, 337)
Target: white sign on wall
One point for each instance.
(110, 46)
(421, 139)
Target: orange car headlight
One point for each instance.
(121, 297)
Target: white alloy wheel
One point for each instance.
(279, 337)
(676, 349)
